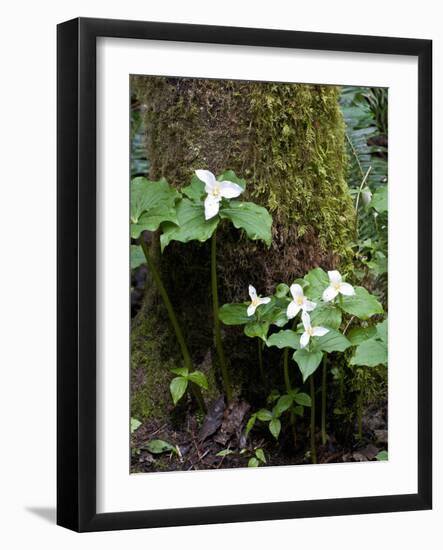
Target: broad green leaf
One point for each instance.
(379, 263)
(318, 280)
(196, 190)
(234, 314)
(303, 399)
(253, 462)
(137, 256)
(181, 371)
(382, 455)
(178, 388)
(255, 220)
(260, 455)
(135, 424)
(158, 446)
(192, 225)
(198, 378)
(273, 312)
(357, 335)
(250, 424)
(307, 361)
(299, 410)
(382, 331)
(230, 175)
(370, 354)
(327, 316)
(225, 452)
(363, 305)
(379, 199)
(332, 341)
(257, 330)
(284, 339)
(282, 405)
(264, 415)
(275, 427)
(282, 290)
(152, 203)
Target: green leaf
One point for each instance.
(152, 203)
(382, 331)
(273, 312)
(255, 220)
(284, 339)
(178, 388)
(182, 371)
(225, 452)
(357, 335)
(158, 446)
(318, 280)
(192, 225)
(332, 341)
(196, 190)
(363, 305)
(260, 455)
(257, 330)
(379, 199)
(264, 415)
(303, 399)
(307, 361)
(250, 424)
(230, 175)
(370, 354)
(135, 424)
(282, 290)
(199, 378)
(234, 314)
(253, 462)
(137, 256)
(275, 427)
(382, 455)
(299, 410)
(282, 405)
(327, 316)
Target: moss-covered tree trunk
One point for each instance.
(287, 141)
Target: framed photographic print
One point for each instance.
(244, 274)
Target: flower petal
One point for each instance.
(309, 306)
(252, 292)
(264, 300)
(329, 294)
(207, 178)
(229, 189)
(212, 205)
(304, 340)
(319, 331)
(251, 310)
(306, 320)
(292, 310)
(334, 276)
(296, 290)
(347, 289)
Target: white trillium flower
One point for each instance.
(310, 331)
(337, 286)
(299, 302)
(255, 301)
(216, 191)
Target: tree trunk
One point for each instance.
(287, 142)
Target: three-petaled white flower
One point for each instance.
(216, 191)
(337, 286)
(255, 301)
(299, 302)
(310, 331)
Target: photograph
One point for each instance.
(258, 273)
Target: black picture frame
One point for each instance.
(76, 265)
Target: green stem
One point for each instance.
(288, 390)
(323, 400)
(260, 361)
(313, 449)
(174, 322)
(215, 306)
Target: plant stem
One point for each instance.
(312, 430)
(323, 400)
(288, 390)
(174, 322)
(260, 361)
(215, 307)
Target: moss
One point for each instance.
(288, 142)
